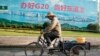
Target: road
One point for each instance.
(20, 52)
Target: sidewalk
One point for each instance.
(21, 41)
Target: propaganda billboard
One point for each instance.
(75, 15)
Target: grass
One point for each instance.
(10, 32)
(14, 32)
(76, 33)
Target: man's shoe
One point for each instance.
(50, 47)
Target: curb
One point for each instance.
(12, 46)
(23, 46)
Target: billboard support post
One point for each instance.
(98, 9)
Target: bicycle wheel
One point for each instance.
(33, 49)
(77, 50)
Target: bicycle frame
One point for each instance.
(42, 41)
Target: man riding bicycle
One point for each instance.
(53, 31)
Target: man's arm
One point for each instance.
(52, 26)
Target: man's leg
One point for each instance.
(54, 43)
(51, 38)
(46, 36)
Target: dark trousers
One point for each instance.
(51, 36)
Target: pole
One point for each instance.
(98, 11)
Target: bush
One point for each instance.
(92, 27)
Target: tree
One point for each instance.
(92, 27)
(4, 25)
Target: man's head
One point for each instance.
(50, 16)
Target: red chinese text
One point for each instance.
(31, 5)
(69, 8)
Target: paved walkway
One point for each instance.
(24, 40)
(20, 52)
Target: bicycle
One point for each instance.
(66, 48)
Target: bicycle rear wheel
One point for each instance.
(33, 49)
(78, 50)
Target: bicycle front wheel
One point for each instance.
(33, 49)
(78, 50)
